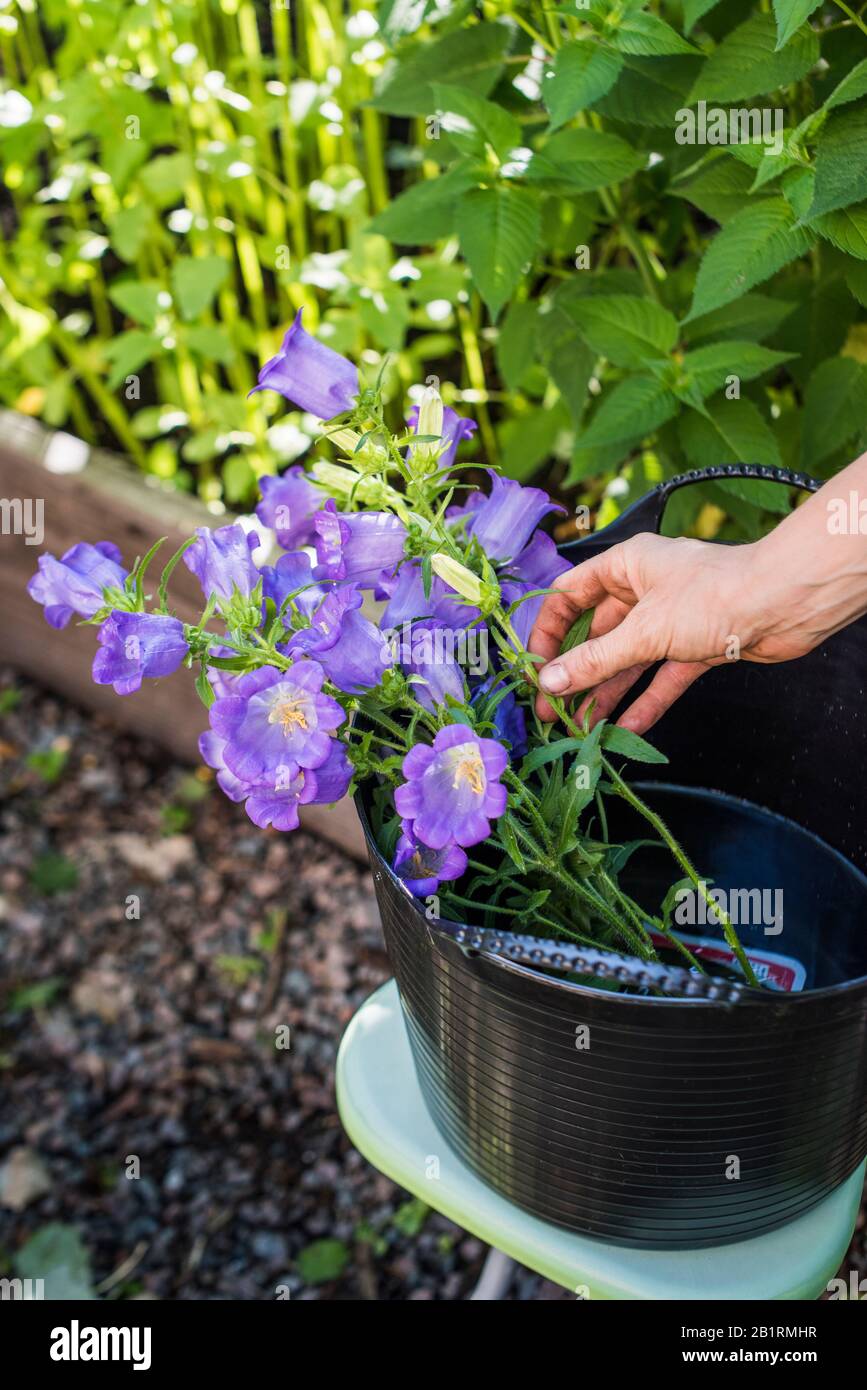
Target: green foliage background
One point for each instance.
(181, 175)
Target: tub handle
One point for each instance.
(647, 512)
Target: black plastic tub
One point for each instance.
(685, 1122)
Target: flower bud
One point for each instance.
(430, 414)
(464, 582)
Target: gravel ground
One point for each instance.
(152, 944)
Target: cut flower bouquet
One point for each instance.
(388, 642)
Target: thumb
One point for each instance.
(599, 659)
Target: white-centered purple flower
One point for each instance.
(421, 868)
(506, 520)
(276, 719)
(294, 787)
(74, 584)
(310, 374)
(288, 506)
(347, 645)
(363, 547)
(222, 560)
(134, 645)
(452, 789)
(455, 428)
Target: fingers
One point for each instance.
(607, 696)
(600, 658)
(579, 589)
(669, 683)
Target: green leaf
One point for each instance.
(128, 352)
(195, 281)
(469, 57)
(530, 439)
(841, 162)
(549, 753)
(509, 840)
(791, 14)
(720, 188)
(755, 244)
(471, 122)
(167, 177)
(630, 745)
(856, 282)
(211, 344)
(833, 408)
(747, 63)
(582, 160)
(57, 1255)
(755, 316)
(649, 91)
(645, 35)
(129, 229)
(711, 365)
(853, 86)
(204, 689)
(634, 407)
(625, 329)
(515, 342)
(138, 299)
(425, 212)
(579, 631)
(322, 1261)
(846, 229)
(53, 873)
(582, 72)
(498, 229)
(734, 432)
(694, 10)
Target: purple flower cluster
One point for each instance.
(278, 731)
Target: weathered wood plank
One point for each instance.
(108, 500)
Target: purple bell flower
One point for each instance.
(427, 650)
(222, 560)
(275, 719)
(74, 584)
(407, 602)
(455, 429)
(423, 869)
(452, 788)
(134, 645)
(294, 787)
(350, 649)
(292, 572)
(310, 375)
(362, 547)
(540, 562)
(504, 523)
(288, 506)
(508, 718)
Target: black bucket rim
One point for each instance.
(750, 995)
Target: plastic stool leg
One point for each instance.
(495, 1278)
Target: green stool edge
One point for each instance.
(383, 1112)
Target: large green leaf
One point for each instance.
(644, 35)
(755, 244)
(753, 317)
(734, 432)
(469, 57)
(853, 86)
(138, 299)
(747, 63)
(195, 281)
(833, 408)
(515, 347)
(649, 91)
(425, 212)
(694, 10)
(711, 366)
(498, 229)
(471, 122)
(129, 229)
(581, 160)
(720, 188)
(790, 15)
(841, 162)
(581, 72)
(846, 229)
(625, 329)
(638, 405)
